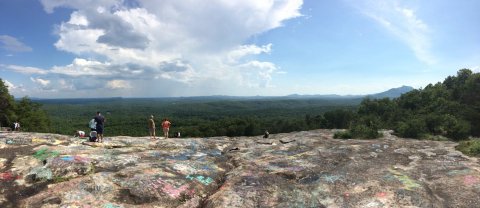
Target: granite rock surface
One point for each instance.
(300, 169)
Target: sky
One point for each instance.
(162, 48)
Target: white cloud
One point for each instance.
(258, 74)
(403, 23)
(42, 82)
(244, 50)
(9, 85)
(24, 69)
(82, 67)
(50, 5)
(14, 89)
(118, 84)
(10, 43)
(189, 42)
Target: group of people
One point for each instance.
(165, 126)
(96, 125)
(96, 128)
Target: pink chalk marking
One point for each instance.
(171, 190)
(381, 194)
(8, 176)
(174, 192)
(81, 159)
(470, 180)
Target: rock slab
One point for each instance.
(300, 169)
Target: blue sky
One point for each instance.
(145, 48)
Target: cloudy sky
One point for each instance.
(158, 48)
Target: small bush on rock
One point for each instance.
(342, 135)
(471, 147)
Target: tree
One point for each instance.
(7, 104)
(31, 116)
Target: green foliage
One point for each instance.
(342, 135)
(338, 119)
(7, 116)
(449, 109)
(365, 128)
(197, 117)
(413, 128)
(31, 116)
(28, 113)
(471, 147)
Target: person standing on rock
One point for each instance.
(166, 127)
(99, 128)
(151, 127)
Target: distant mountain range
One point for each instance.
(391, 93)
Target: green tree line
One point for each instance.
(196, 118)
(448, 109)
(29, 114)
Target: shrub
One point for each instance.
(458, 130)
(364, 131)
(414, 128)
(471, 147)
(342, 135)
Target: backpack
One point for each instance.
(93, 136)
(92, 124)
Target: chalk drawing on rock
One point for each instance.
(76, 159)
(18, 141)
(407, 182)
(170, 189)
(202, 179)
(45, 153)
(381, 194)
(470, 180)
(8, 176)
(459, 172)
(110, 205)
(331, 178)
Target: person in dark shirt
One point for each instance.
(99, 128)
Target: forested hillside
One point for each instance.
(448, 109)
(29, 114)
(199, 117)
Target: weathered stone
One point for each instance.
(304, 169)
(23, 164)
(3, 162)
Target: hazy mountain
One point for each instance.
(392, 93)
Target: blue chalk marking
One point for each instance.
(110, 205)
(331, 178)
(67, 158)
(202, 179)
